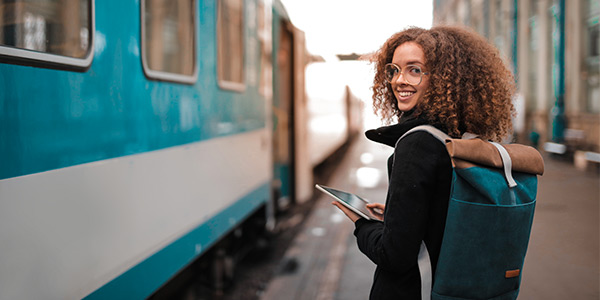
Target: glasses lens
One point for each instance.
(391, 71)
(412, 74)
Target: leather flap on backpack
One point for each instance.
(465, 153)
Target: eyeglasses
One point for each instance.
(412, 74)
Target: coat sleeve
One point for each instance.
(394, 244)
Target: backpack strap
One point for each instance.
(438, 134)
(507, 162)
(423, 259)
(424, 263)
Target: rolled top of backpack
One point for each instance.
(470, 152)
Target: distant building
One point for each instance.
(559, 82)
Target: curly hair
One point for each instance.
(470, 89)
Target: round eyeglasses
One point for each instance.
(412, 74)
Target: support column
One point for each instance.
(523, 47)
(543, 71)
(574, 100)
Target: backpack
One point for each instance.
(490, 214)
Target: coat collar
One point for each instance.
(389, 135)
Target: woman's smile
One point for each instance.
(404, 95)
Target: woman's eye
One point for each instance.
(414, 70)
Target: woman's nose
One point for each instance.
(397, 79)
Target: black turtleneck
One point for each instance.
(420, 174)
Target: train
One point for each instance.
(136, 137)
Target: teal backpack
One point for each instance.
(490, 214)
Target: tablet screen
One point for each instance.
(353, 202)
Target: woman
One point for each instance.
(447, 77)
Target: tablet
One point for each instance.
(351, 201)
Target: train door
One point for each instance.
(283, 117)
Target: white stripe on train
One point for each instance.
(65, 233)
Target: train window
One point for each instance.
(47, 33)
(230, 44)
(169, 40)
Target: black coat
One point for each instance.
(420, 174)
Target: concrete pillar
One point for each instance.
(574, 100)
(506, 24)
(522, 72)
(543, 70)
(523, 47)
(491, 20)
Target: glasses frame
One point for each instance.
(402, 73)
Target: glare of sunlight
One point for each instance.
(318, 231)
(337, 217)
(366, 158)
(367, 177)
(328, 124)
(347, 26)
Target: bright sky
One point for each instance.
(360, 26)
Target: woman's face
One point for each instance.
(408, 95)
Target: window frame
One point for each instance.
(167, 76)
(226, 84)
(20, 56)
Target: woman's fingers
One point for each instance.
(376, 210)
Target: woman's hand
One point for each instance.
(376, 210)
(350, 214)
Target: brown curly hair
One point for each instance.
(470, 89)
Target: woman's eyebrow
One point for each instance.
(413, 62)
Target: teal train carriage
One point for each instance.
(138, 136)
